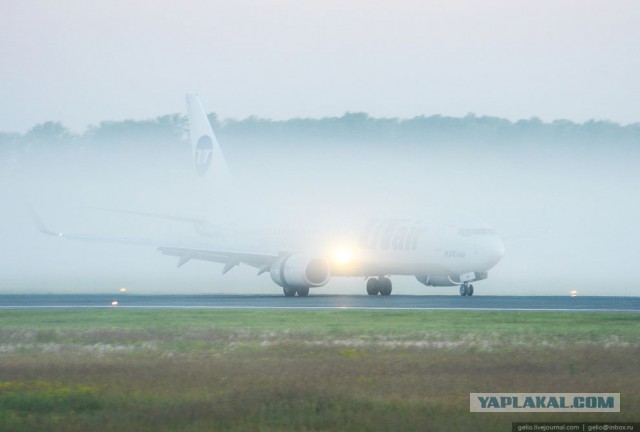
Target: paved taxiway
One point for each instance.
(348, 302)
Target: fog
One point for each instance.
(565, 204)
(283, 58)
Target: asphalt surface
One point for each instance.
(345, 302)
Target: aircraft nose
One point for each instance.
(495, 250)
(501, 249)
(498, 249)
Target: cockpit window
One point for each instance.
(466, 232)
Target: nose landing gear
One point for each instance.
(466, 289)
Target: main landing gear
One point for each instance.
(381, 286)
(291, 291)
(466, 290)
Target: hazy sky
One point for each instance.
(81, 62)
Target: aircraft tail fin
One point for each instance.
(209, 162)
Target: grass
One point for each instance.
(162, 370)
(453, 323)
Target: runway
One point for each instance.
(324, 302)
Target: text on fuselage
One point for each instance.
(392, 234)
(454, 254)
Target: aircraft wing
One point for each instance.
(229, 258)
(184, 251)
(149, 215)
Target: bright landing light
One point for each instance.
(343, 256)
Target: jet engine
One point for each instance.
(429, 280)
(449, 280)
(300, 271)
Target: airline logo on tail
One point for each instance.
(203, 154)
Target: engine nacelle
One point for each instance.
(300, 271)
(450, 280)
(429, 280)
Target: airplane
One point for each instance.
(297, 259)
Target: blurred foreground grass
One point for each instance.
(137, 370)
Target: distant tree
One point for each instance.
(131, 134)
(249, 126)
(170, 132)
(213, 119)
(48, 134)
(46, 140)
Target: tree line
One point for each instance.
(171, 131)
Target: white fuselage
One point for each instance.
(382, 247)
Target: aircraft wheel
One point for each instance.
(463, 290)
(470, 290)
(303, 291)
(288, 291)
(373, 287)
(385, 286)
